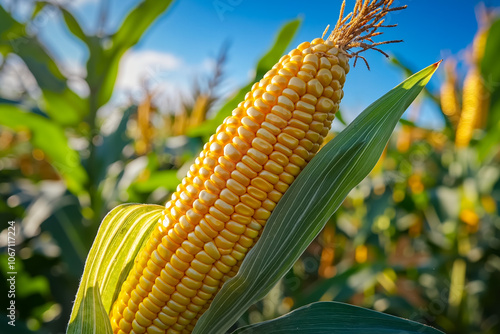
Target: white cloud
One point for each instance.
(81, 3)
(138, 68)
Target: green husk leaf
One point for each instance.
(337, 318)
(310, 202)
(122, 234)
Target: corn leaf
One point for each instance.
(490, 68)
(50, 138)
(311, 200)
(123, 232)
(61, 103)
(102, 66)
(283, 40)
(333, 317)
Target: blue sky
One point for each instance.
(185, 39)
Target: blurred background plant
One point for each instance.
(419, 238)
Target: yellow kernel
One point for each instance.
(316, 126)
(271, 128)
(226, 234)
(232, 153)
(298, 85)
(190, 283)
(287, 140)
(194, 274)
(256, 115)
(281, 187)
(222, 267)
(292, 67)
(251, 233)
(279, 157)
(328, 92)
(274, 167)
(242, 219)
(262, 145)
(190, 247)
(138, 328)
(324, 76)
(309, 68)
(178, 263)
(245, 134)
(162, 290)
(305, 76)
(324, 105)
(320, 48)
(315, 87)
(250, 201)
(214, 223)
(277, 121)
(205, 232)
(324, 63)
(295, 123)
(273, 89)
(304, 106)
(303, 46)
(311, 59)
(155, 330)
(274, 196)
(266, 135)
(269, 177)
(222, 243)
(175, 306)
(294, 132)
(281, 112)
(235, 187)
(249, 124)
(291, 94)
(285, 102)
(254, 165)
(302, 116)
(203, 257)
(221, 210)
(245, 170)
(337, 95)
(297, 160)
(279, 81)
(239, 177)
(240, 144)
(235, 227)
(229, 197)
(257, 93)
(262, 213)
(261, 184)
(337, 73)
(258, 156)
(309, 98)
(256, 192)
(200, 267)
(312, 136)
(166, 319)
(228, 260)
(285, 73)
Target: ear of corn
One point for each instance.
(220, 208)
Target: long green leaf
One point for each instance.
(61, 103)
(281, 43)
(337, 318)
(310, 202)
(50, 138)
(123, 232)
(102, 65)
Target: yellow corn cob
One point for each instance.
(473, 102)
(218, 211)
(449, 100)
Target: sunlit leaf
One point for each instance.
(123, 232)
(103, 64)
(310, 201)
(50, 138)
(337, 318)
(283, 40)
